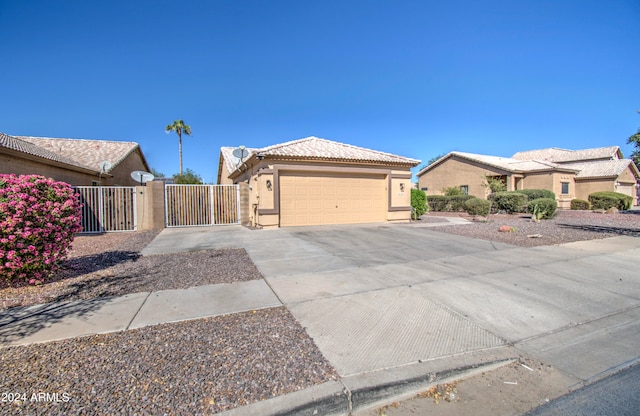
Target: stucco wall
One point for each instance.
(584, 187)
(122, 172)
(264, 200)
(20, 166)
(454, 172)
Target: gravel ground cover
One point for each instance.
(194, 367)
(111, 265)
(565, 227)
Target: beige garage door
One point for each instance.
(307, 199)
(626, 189)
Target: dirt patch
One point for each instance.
(510, 390)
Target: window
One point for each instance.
(424, 188)
(565, 188)
(464, 189)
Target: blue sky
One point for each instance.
(415, 78)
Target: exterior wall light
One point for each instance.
(268, 184)
(401, 186)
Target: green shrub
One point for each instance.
(477, 206)
(578, 204)
(448, 203)
(452, 191)
(542, 208)
(418, 202)
(537, 193)
(509, 201)
(438, 202)
(606, 200)
(456, 202)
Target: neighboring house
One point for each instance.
(569, 174)
(315, 181)
(75, 161)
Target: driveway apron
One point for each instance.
(381, 296)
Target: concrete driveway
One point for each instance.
(382, 296)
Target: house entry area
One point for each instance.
(321, 198)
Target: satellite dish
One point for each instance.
(142, 176)
(241, 152)
(105, 165)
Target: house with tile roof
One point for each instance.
(75, 161)
(569, 174)
(313, 181)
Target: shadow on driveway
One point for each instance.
(631, 232)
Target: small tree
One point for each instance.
(179, 127)
(495, 185)
(635, 140)
(189, 177)
(452, 191)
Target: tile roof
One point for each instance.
(315, 148)
(601, 169)
(230, 160)
(586, 169)
(85, 152)
(557, 155)
(24, 146)
(504, 163)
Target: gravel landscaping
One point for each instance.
(194, 367)
(208, 365)
(111, 265)
(565, 227)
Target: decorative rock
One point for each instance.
(612, 210)
(507, 229)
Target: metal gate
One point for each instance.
(107, 208)
(199, 205)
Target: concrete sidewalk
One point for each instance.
(55, 321)
(395, 307)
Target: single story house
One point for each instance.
(314, 181)
(569, 174)
(78, 162)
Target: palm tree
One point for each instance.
(179, 127)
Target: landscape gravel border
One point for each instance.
(193, 367)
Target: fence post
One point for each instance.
(151, 205)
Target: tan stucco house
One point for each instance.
(74, 161)
(568, 173)
(314, 181)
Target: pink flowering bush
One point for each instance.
(38, 220)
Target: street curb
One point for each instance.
(361, 392)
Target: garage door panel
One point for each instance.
(317, 199)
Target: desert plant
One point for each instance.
(452, 191)
(580, 204)
(542, 208)
(509, 201)
(38, 220)
(494, 184)
(606, 200)
(537, 193)
(477, 206)
(418, 203)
